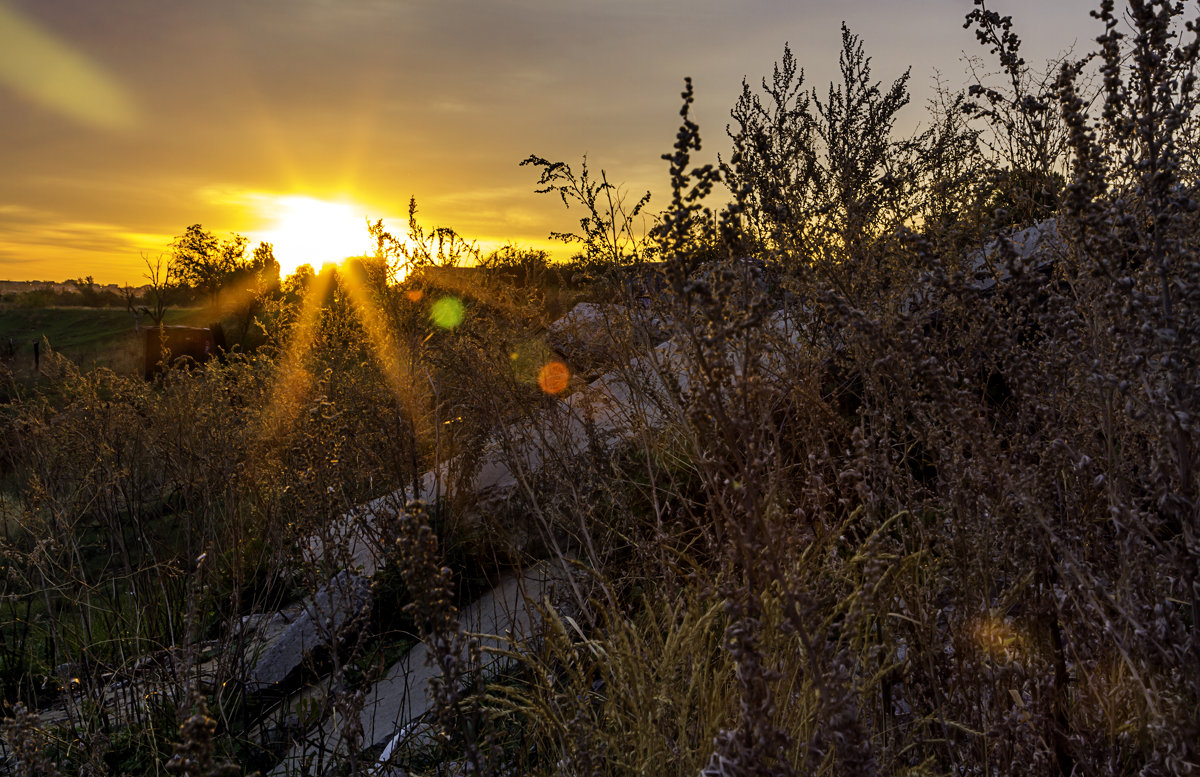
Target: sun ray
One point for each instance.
(293, 381)
(381, 340)
(56, 75)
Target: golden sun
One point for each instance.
(306, 230)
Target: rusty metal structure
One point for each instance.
(180, 346)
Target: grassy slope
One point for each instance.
(91, 337)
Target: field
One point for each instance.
(89, 337)
(887, 465)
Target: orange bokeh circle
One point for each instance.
(553, 377)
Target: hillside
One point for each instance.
(90, 337)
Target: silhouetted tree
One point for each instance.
(253, 282)
(161, 289)
(205, 263)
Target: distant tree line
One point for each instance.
(199, 268)
(75, 292)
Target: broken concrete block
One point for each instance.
(323, 620)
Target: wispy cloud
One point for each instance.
(35, 241)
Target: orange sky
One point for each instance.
(124, 121)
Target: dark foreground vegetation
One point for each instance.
(910, 499)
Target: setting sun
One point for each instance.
(306, 230)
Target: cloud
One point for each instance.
(35, 241)
(373, 100)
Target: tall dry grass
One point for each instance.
(896, 497)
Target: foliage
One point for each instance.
(686, 222)
(522, 268)
(200, 261)
(1025, 140)
(773, 162)
(821, 179)
(608, 232)
(905, 492)
(438, 247)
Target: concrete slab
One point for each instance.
(320, 623)
(396, 705)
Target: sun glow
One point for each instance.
(306, 230)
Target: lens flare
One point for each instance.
(998, 638)
(553, 378)
(447, 312)
(53, 74)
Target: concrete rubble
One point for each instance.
(320, 621)
(641, 395)
(1037, 246)
(394, 710)
(593, 336)
(611, 408)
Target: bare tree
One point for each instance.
(161, 275)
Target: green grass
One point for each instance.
(90, 337)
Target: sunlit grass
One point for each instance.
(293, 379)
(374, 324)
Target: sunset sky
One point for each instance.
(124, 121)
